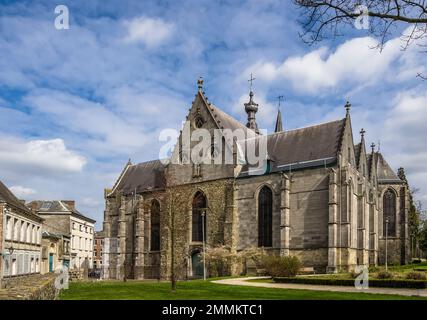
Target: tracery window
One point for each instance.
(265, 217)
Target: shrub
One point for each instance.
(384, 283)
(416, 261)
(373, 269)
(384, 275)
(255, 254)
(218, 260)
(281, 266)
(416, 276)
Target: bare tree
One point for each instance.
(329, 18)
(174, 223)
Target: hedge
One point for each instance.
(385, 283)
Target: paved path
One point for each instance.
(395, 291)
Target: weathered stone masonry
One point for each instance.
(326, 202)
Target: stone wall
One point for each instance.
(309, 209)
(219, 223)
(36, 287)
(127, 249)
(398, 244)
(247, 208)
(393, 251)
(56, 223)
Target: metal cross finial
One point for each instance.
(348, 107)
(373, 147)
(200, 83)
(251, 80)
(362, 132)
(280, 98)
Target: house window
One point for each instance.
(33, 235)
(23, 230)
(155, 226)
(389, 210)
(8, 228)
(14, 267)
(28, 240)
(38, 235)
(198, 221)
(265, 217)
(16, 230)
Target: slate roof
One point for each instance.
(312, 146)
(51, 235)
(306, 144)
(7, 196)
(142, 177)
(56, 207)
(384, 172)
(306, 147)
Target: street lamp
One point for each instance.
(386, 242)
(204, 245)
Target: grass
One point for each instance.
(201, 290)
(408, 267)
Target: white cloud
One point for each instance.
(405, 123)
(354, 61)
(150, 31)
(22, 192)
(38, 156)
(105, 129)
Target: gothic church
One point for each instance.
(323, 197)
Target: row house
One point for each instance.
(20, 237)
(62, 218)
(97, 250)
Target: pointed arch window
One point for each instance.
(389, 213)
(265, 217)
(155, 226)
(199, 217)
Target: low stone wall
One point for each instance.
(35, 287)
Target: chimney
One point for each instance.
(70, 203)
(33, 205)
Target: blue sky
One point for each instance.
(76, 104)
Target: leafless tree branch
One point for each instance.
(323, 18)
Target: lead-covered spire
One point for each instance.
(251, 109)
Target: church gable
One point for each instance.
(347, 149)
(202, 116)
(360, 155)
(385, 173)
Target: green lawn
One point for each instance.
(409, 267)
(200, 290)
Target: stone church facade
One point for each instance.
(322, 197)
